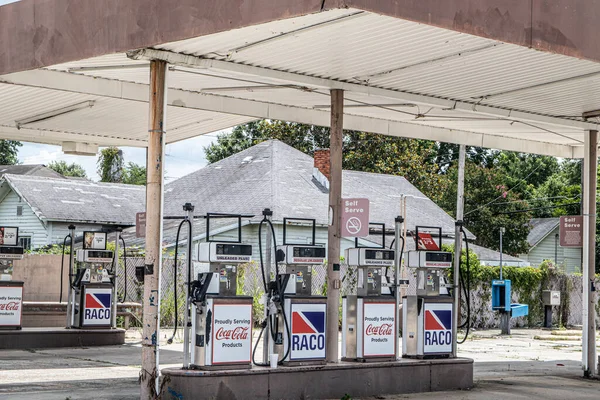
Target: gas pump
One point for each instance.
(11, 291)
(369, 317)
(304, 338)
(92, 285)
(427, 316)
(221, 320)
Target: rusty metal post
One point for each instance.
(154, 210)
(460, 206)
(334, 231)
(590, 171)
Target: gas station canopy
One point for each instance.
(400, 77)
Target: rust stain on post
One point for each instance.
(153, 227)
(334, 231)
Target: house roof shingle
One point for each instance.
(81, 201)
(540, 228)
(274, 175)
(30, 169)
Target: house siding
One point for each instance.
(58, 230)
(570, 258)
(28, 223)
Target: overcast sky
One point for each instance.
(182, 157)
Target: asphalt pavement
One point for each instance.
(529, 364)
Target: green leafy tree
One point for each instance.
(134, 174)
(490, 205)
(8, 152)
(110, 165)
(65, 169)
(411, 158)
(303, 137)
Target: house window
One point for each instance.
(25, 242)
(19, 211)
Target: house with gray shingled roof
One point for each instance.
(43, 207)
(274, 175)
(30, 169)
(544, 244)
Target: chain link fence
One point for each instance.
(250, 283)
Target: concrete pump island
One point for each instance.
(519, 76)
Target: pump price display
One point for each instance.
(379, 327)
(232, 333)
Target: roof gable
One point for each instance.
(79, 201)
(274, 175)
(540, 228)
(30, 169)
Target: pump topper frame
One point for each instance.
(90, 241)
(10, 231)
(383, 246)
(208, 217)
(314, 231)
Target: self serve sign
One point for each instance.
(438, 328)
(308, 331)
(97, 308)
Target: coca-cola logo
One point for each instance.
(379, 330)
(239, 333)
(10, 306)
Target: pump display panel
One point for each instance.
(11, 253)
(224, 252)
(370, 257)
(95, 256)
(429, 259)
(298, 254)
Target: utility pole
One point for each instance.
(590, 171)
(502, 230)
(154, 210)
(460, 206)
(334, 231)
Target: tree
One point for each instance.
(411, 158)
(9, 151)
(110, 165)
(65, 169)
(490, 205)
(134, 174)
(300, 136)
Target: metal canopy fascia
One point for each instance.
(138, 92)
(199, 62)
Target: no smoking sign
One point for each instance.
(355, 217)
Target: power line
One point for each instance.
(505, 193)
(538, 208)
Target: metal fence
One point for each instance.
(250, 284)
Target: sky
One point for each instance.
(181, 158)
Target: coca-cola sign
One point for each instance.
(379, 330)
(11, 300)
(10, 306)
(239, 333)
(232, 333)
